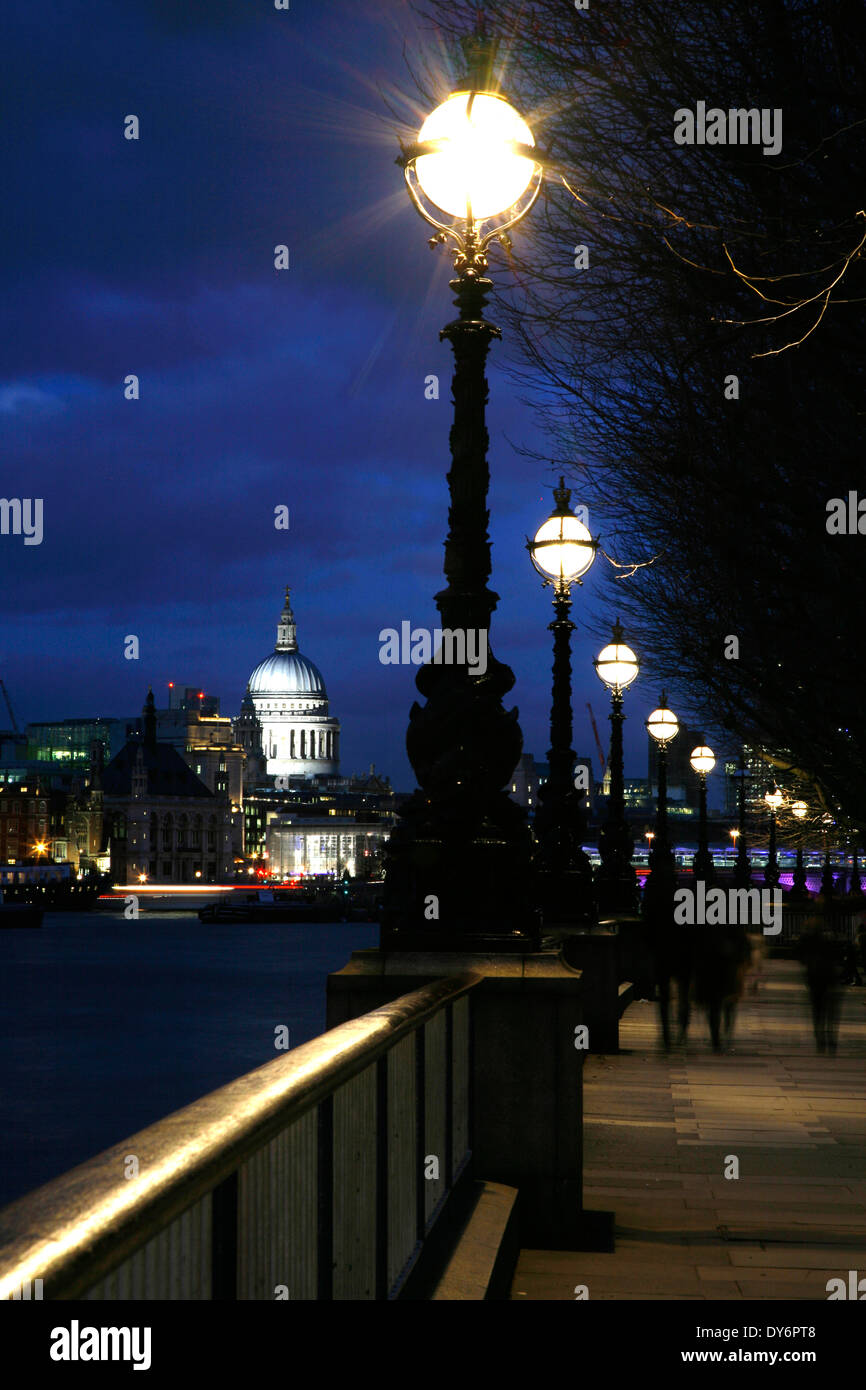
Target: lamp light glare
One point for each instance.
(475, 172)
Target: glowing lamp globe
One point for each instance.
(799, 809)
(663, 725)
(616, 665)
(774, 799)
(703, 760)
(563, 549)
(477, 170)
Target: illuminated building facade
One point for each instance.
(165, 825)
(325, 845)
(298, 736)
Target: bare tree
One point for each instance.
(699, 365)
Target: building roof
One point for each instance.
(167, 773)
(287, 672)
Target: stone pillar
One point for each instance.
(596, 955)
(527, 1076)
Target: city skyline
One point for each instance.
(258, 388)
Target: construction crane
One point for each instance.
(9, 707)
(601, 756)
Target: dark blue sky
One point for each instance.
(303, 387)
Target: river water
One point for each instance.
(107, 1025)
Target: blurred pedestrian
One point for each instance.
(820, 957)
(720, 954)
(670, 946)
(850, 973)
(755, 965)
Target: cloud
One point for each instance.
(21, 398)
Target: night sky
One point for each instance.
(258, 388)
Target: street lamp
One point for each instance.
(617, 666)
(562, 551)
(827, 887)
(774, 799)
(703, 760)
(472, 172)
(742, 868)
(474, 161)
(799, 810)
(563, 548)
(855, 890)
(662, 726)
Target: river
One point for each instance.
(107, 1025)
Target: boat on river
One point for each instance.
(281, 905)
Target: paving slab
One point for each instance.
(658, 1131)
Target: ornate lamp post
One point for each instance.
(856, 889)
(617, 666)
(799, 891)
(458, 864)
(742, 868)
(703, 760)
(562, 552)
(827, 886)
(662, 726)
(774, 799)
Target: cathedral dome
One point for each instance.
(287, 674)
(284, 714)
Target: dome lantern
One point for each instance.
(287, 636)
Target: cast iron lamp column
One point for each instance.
(742, 868)
(703, 760)
(663, 727)
(562, 552)
(827, 886)
(774, 800)
(856, 889)
(458, 863)
(799, 890)
(617, 666)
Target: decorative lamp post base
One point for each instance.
(856, 889)
(827, 879)
(455, 886)
(799, 888)
(566, 899)
(564, 889)
(616, 881)
(742, 870)
(703, 866)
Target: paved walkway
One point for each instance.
(658, 1133)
